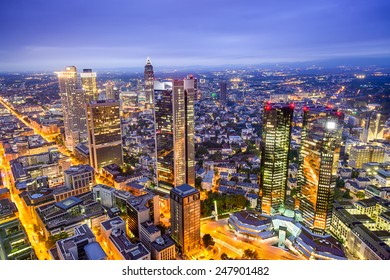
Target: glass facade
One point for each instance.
(149, 82)
(174, 120)
(88, 83)
(73, 105)
(274, 156)
(185, 217)
(319, 155)
(104, 134)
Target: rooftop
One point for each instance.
(184, 190)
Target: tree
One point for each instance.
(234, 178)
(346, 195)
(340, 183)
(224, 256)
(250, 255)
(360, 195)
(51, 241)
(355, 174)
(208, 240)
(198, 182)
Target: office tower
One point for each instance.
(185, 217)
(104, 134)
(374, 127)
(191, 77)
(89, 85)
(73, 106)
(274, 156)
(358, 156)
(112, 92)
(149, 82)
(174, 121)
(319, 155)
(223, 90)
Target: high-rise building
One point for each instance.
(374, 127)
(191, 77)
(112, 92)
(89, 85)
(274, 156)
(223, 90)
(174, 121)
(73, 106)
(358, 156)
(149, 83)
(319, 155)
(104, 134)
(185, 217)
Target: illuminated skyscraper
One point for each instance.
(149, 82)
(185, 217)
(104, 134)
(174, 120)
(112, 92)
(374, 127)
(274, 156)
(319, 155)
(223, 91)
(73, 106)
(88, 83)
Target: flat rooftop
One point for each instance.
(184, 190)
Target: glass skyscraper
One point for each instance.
(149, 83)
(274, 157)
(174, 121)
(73, 106)
(89, 85)
(319, 155)
(104, 134)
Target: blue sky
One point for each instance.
(40, 35)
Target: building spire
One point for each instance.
(148, 61)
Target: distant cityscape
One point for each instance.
(288, 163)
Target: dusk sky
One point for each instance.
(47, 35)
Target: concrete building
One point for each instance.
(81, 246)
(114, 233)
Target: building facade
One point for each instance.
(104, 134)
(319, 155)
(274, 156)
(174, 120)
(185, 217)
(149, 83)
(73, 105)
(89, 85)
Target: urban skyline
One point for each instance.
(218, 130)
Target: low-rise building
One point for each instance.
(114, 233)
(81, 246)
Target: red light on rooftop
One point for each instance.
(268, 107)
(338, 113)
(292, 105)
(305, 109)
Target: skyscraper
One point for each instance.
(374, 127)
(104, 134)
(174, 121)
(319, 155)
(223, 90)
(89, 85)
(274, 156)
(73, 106)
(149, 82)
(185, 217)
